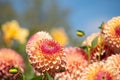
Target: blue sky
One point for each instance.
(86, 15)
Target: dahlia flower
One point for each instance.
(8, 59)
(111, 33)
(12, 31)
(114, 61)
(35, 39)
(59, 35)
(75, 54)
(99, 71)
(76, 62)
(101, 50)
(45, 54)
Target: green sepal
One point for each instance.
(13, 70)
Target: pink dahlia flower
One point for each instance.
(76, 62)
(8, 59)
(114, 62)
(45, 54)
(99, 71)
(111, 33)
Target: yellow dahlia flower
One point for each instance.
(45, 54)
(9, 58)
(12, 31)
(111, 33)
(59, 35)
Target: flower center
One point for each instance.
(103, 75)
(117, 31)
(50, 47)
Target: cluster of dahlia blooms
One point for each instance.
(101, 60)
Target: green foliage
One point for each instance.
(37, 78)
(29, 73)
(85, 48)
(102, 25)
(48, 77)
(94, 42)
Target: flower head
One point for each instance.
(45, 54)
(111, 33)
(75, 54)
(76, 62)
(59, 35)
(100, 51)
(35, 39)
(12, 31)
(99, 71)
(49, 47)
(9, 58)
(114, 61)
(73, 72)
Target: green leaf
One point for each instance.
(85, 48)
(80, 33)
(37, 78)
(102, 25)
(48, 76)
(29, 73)
(94, 42)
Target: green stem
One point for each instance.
(23, 76)
(100, 51)
(99, 58)
(89, 56)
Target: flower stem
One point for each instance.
(89, 55)
(23, 76)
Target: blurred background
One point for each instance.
(62, 16)
(71, 15)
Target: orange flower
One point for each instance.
(9, 58)
(99, 71)
(101, 50)
(111, 33)
(114, 61)
(75, 54)
(76, 62)
(34, 40)
(45, 54)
